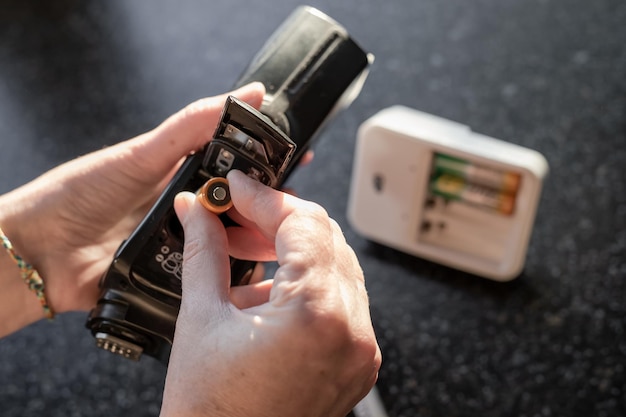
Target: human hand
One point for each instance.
(301, 344)
(69, 222)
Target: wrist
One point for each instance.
(20, 217)
(21, 298)
(19, 306)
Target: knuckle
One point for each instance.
(317, 212)
(314, 217)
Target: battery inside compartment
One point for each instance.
(470, 208)
(484, 187)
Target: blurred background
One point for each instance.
(549, 75)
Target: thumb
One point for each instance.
(188, 130)
(206, 265)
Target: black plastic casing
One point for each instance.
(310, 68)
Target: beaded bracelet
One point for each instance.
(29, 274)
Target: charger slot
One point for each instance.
(469, 208)
(462, 228)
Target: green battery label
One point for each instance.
(453, 187)
(500, 180)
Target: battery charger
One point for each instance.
(435, 189)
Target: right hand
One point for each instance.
(301, 344)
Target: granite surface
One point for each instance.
(544, 74)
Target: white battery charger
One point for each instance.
(431, 187)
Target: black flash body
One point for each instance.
(311, 68)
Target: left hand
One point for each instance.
(69, 222)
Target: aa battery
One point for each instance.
(453, 187)
(214, 195)
(505, 181)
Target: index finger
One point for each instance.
(295, 226)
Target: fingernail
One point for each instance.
(234, 173)
(248, 88)
(253, 85)
(239, 178)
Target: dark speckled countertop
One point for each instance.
(545, 74)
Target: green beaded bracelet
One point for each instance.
(29, 274)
